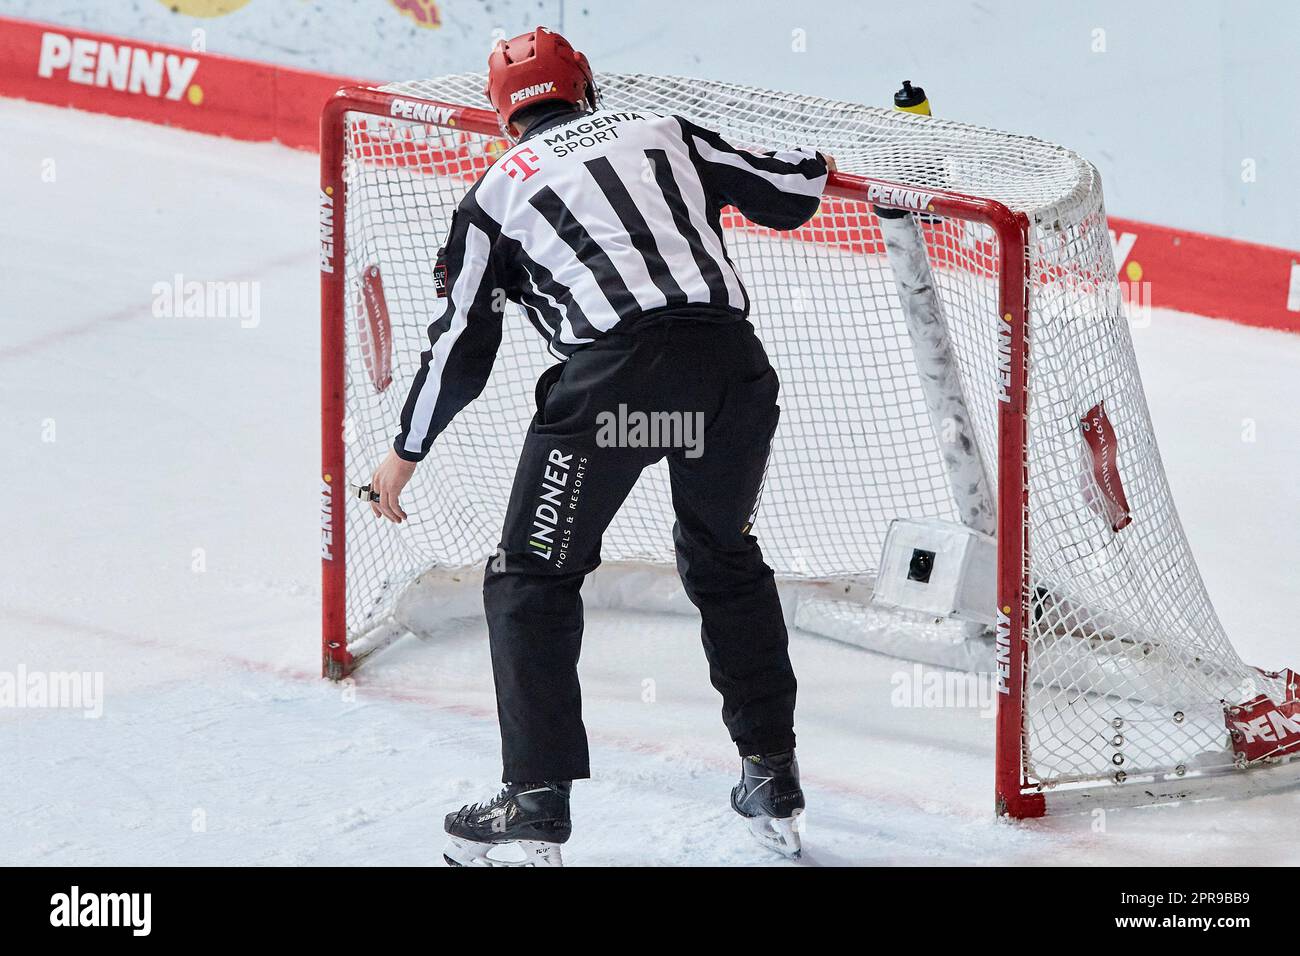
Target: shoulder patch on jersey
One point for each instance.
(521, 164)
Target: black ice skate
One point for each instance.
(768, 796)
(523, 825)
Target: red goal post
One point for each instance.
(1015, 796)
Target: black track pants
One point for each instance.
(570, 483)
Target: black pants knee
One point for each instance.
(568, 486)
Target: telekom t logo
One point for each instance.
(522, 164)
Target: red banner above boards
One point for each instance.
(1159, 266)
(1244, 282)
(172, 86)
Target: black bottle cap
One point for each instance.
(909, 95)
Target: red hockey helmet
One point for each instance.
(535, 67)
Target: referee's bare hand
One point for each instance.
(389, 480)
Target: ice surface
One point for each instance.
(219, 744)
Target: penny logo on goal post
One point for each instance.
(899, 197)
(327, 518)
(326, 218)
(422, 112)
(1004, 360)
(1003, 640)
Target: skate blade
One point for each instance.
(515, 853)
(782, 834)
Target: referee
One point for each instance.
(604, 226)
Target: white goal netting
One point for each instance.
(1127, 660)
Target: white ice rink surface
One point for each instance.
(218, 742)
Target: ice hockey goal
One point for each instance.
(952, 347)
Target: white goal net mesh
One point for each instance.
(1127, 661)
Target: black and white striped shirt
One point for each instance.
(594, 219)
